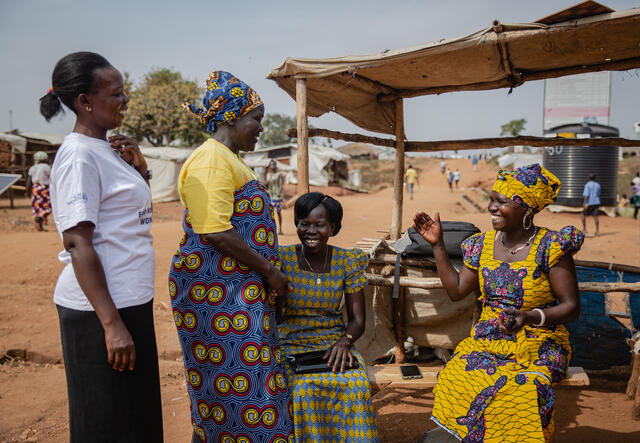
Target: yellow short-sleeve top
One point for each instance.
(207, 182)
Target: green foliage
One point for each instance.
(156, 113)
(275, 129)
(513, 128)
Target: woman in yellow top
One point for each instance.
(219, 277)
(498, 385)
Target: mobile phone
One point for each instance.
(410, 371)
(510, 321)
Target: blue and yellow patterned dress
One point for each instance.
(225, 320)
(326, 406)
(498, 387)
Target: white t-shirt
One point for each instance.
(91, 182)
(39, 173)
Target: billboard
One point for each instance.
(576, 99)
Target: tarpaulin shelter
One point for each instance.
(327, 166)
(165, 162)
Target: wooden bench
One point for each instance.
(385, 376)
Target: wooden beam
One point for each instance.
(436, 283)
(355, 138)
(523, 140)
(398, 174)
(477, 143)
(303, 139)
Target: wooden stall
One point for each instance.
(369, 90)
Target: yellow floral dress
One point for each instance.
(498, 387)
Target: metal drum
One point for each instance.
(573, 164)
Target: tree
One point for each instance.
(275, 129)
(155, 109)
(513, 128)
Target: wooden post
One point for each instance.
(396, 230)
(303, 136)
(398, 174)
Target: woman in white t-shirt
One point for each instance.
(38, 180)
(102, 209)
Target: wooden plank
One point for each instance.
(303, 140)
(405, 282)
(390, 376)
(575, 377)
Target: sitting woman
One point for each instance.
(498, 385)
(334, 405)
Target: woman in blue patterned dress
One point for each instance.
(219, 278)
(334, 405)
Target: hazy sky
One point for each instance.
(248, 38)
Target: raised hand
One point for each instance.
(130, 152)
(430, 229)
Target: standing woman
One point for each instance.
(104, 295)
(498, 385)
(38, 179)
(220, 276)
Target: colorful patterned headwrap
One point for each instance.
(530, 186)
(226, 98)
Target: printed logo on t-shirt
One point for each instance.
(145, 216)
(77, 198)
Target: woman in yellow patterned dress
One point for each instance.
(334, 405)
(498, 385)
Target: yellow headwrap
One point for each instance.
(530, 186)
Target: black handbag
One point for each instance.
(312, 362)
(453, 234)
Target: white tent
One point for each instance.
(165, 163)
(320, 160)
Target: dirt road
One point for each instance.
(33, 394)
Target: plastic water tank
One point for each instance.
(573, 164)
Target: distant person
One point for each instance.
(38, 179)
(636, 179)
(635, 198)
(101, 204)
(411, 178)
(474, 161)
(449, 176)
(624, 201)
(591, 202)
(456, 176)
(275, 187)
(443, 166)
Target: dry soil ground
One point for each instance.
(33, 405)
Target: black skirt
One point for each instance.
(106, 405)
